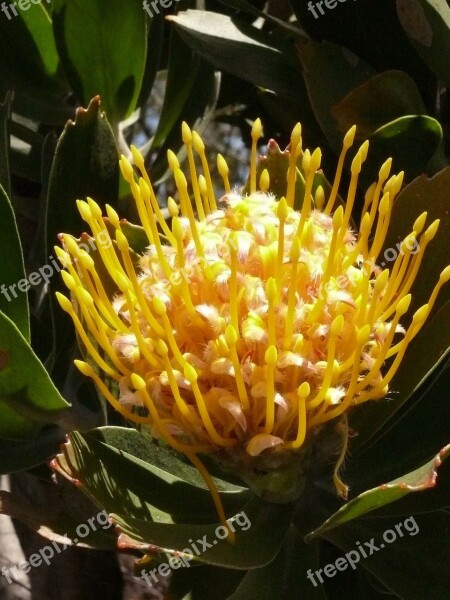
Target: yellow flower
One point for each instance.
(247, 324)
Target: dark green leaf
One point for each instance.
(23, 455)
(126, 484)
(85, 164)
(410, 141)
(102, 47)
(427, 25)
(241, 50)
(383, 98)
(28, 398)
(13, 301)
(417, 481)
(321, 62)
(420, 545)
(254, 547)
(5, 115)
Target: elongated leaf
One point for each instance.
(411, 142)
(197, 111)
(125, 484)
(28, 398)
(23, 455)
(13, 297)
(417, 481)
(203, 583)
(178, 86)
(5, 115)
(39, 24)
(241, 50)
(85, 164)
(87, 34)
(427, 24)
(419, 544)
(283, 575)
(28, 52)
(320, 63)
(257, 542)
(383, 98)
(141, 446)
(360, 26)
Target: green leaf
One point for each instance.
(102, 47)
(257, 542)
(148, 490)
(419, 544)
(410, 141)
(145, 448)
(381, 99)
(5, 115)
(29, 58)
(13, 301)
(240, 49)
(28, 398)
(24, 455)
(372, 31)
(197, 111)
(39, 24)
(417, 481)
(85, 164)
(320, 63)
(155, 44)
(286, 573)
(427, 25)
(203, 583)
(178, 86)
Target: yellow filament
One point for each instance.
(234, 313)
(295, 149)
(187, 140)
(282, 212)
(199, 147)
(256, 134)
(302, 393)
(68, 308)
(203, 187)
(335, 331)
(123, 246)
(231, 337)
(271, 357)
(347, 143)
(222, 167)
(214, 493)
(186, 209)
(264, 181)
(191, 375)
(290, 316)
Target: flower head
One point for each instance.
(247, 323)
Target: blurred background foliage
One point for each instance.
(82, 80)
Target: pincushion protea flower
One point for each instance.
(247, 324)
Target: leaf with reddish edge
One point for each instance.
(253, 547)
(417, 481)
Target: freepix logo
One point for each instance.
(11, 8)
(317, 8)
